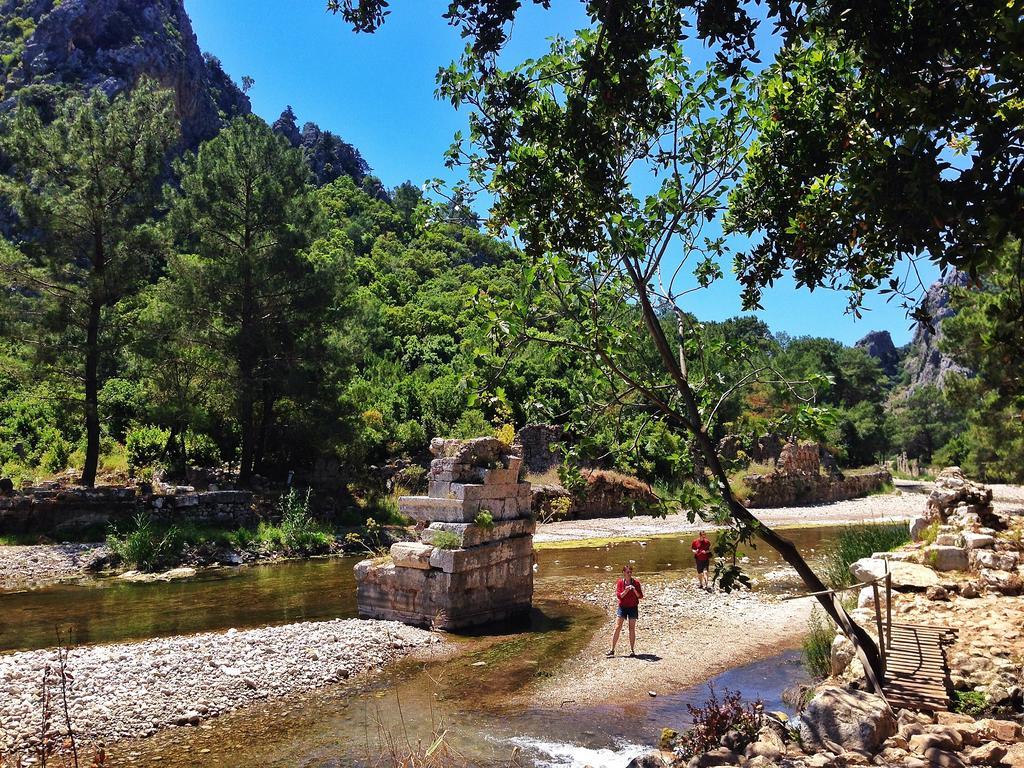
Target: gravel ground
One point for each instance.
(684, 636)
(38, 565)
(135, 689)
(891, 506)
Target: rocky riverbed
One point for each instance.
(135, 689)
(37, 565)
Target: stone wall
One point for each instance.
(482, 571)
(775, 490)
(61, 511)
(607, 494)
(797, 479)
(539, 446)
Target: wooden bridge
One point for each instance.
(916, 669)
(914, 662)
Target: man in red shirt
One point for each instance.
(701, 547)
(628, 593)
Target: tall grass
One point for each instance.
(817, 647)
(857, 541)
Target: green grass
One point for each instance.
(973, 703)
(148, 546)
(857, 541)
(817, 646)
(446, 540)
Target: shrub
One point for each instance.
(506, 433)
(931, 532)
(144, 546)
(484, 519)
(714, 718)
(857, 541)
(817, 645)
(202, 450)
(973, 703)
(447, 540)
(56, 453)
(145, 446)
(300, 533)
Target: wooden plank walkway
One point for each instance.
(916, 670)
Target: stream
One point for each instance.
(414, 701)
(109, 610)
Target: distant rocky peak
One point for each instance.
(879, 345)
(329, 157)
(925, 362)
(110, 45)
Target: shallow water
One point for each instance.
(415, 703)
(108, 610)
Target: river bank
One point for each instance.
(135, 689)
(868, 509)
(684, 636)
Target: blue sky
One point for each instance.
(377, 92)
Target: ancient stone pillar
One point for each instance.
(473, 563)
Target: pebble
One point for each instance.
(134, 689)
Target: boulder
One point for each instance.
(941, 758)
(842, 654)
(855, 720)
(938, 594)
(991, 753)
(713, 757)
(908, 576)
(978, 540)
(945, 558)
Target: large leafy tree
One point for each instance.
(84, 186)
(611, 158)
(256, 292)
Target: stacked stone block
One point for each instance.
(488, 576)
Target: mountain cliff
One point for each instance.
(925, 363)
(49, 46)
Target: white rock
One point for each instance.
(978, 540)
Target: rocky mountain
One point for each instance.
(328, 155)
(925, 363)
(879, 345)
(52, 45)
(49, 46)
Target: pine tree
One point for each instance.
(84, 186)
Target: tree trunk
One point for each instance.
(92, 391)
(864, 645)
(266, 418)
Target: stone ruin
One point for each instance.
(797, 478)
(473, 563)
(966, 535)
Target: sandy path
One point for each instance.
(684, 636)
(892, 506)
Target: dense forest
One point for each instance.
(240, 314)
(206, 289)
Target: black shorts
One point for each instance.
(628, 612)
(702, 565)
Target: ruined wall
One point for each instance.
(797, 479)
(539, 444)
(773, 490)
(464, 570)
(57, 511)
(607, 494)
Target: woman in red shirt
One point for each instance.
(629, 593)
